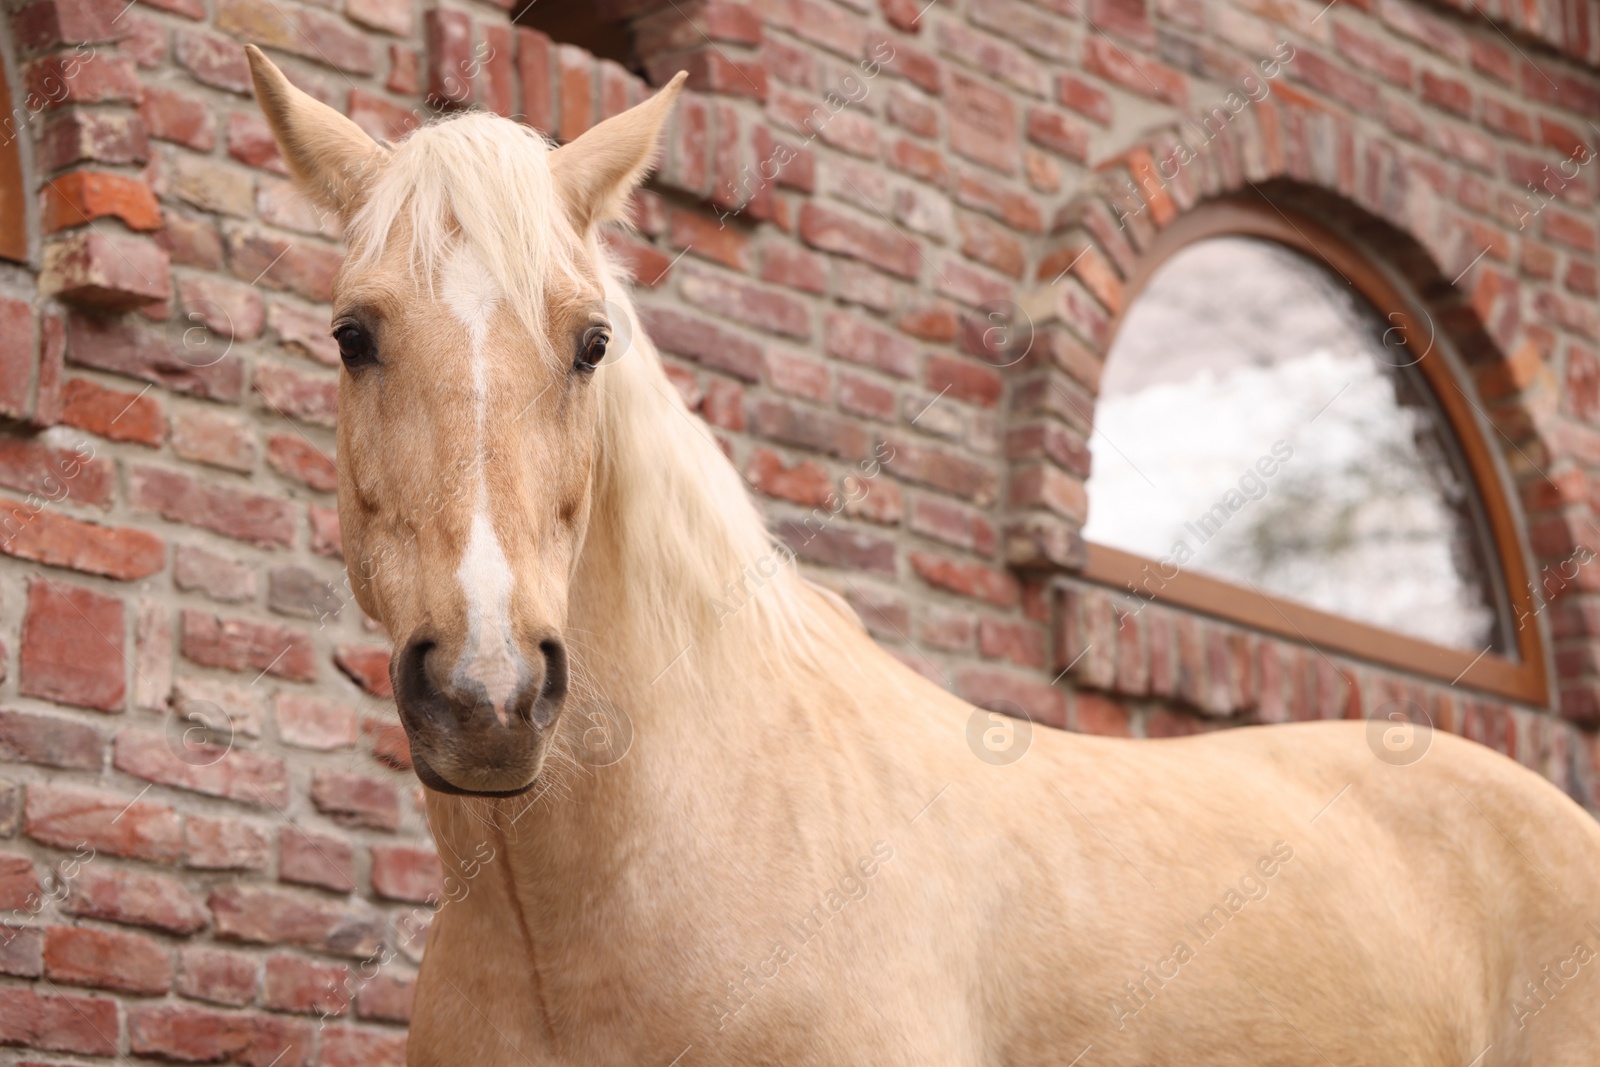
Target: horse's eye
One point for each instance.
(592, 349)
(355, 344)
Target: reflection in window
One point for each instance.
(1253, 425)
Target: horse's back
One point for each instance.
(1303, 885)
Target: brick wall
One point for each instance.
(207, 812)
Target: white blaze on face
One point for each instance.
(490, 656)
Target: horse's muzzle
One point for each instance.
(460, 743)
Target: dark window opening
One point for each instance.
(597, 28)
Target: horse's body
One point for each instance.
(800, 859)
(1400, 929)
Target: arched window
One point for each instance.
(1279, 439)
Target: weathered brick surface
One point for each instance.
(188, 688)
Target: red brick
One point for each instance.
(48, 537)
(400, 872)
(388, 996)
(317, 860)
(968, 579)
(217, 975)
(950, 473)
(738, 300)
(195, 569)
(120, 346)
(106, 959)
(1451, 94)
(304, 332)
(73, 646)
(309, 397)
(316, 35)
(270, 916)
(296, 984)
(284, 264)
(79, 136)
(1493, 59)
(261, 520)
(315, 723)
(806, 427)
(575, 70)
(225, 844)
(390, 746)
(191, 241)
(231, 311)
(702, 341)
(799, 375)
(135, 899)
(354, 1046)
(1145, 77)
(112, 414)
(367, 666)
(356, 800)
(794, 267)
(380, 118)
(81, 196)
(241, 645)
(830, 230)
(1020, 643)
(390, 16)
(1059, 133)
(47, 24)
(850, 338)
(993, 246)
(496, 85)
(963, 379)
(207, 436)
(1095, 714)
(294, 457)
(202, 1035)
(60, 1023)
(1001, 691)
(101, 77)
(996, 58)
(215, 770)
(1087, 99)
(708, 238)
(325, 538)
(952, 524)
(91, 268)
(49, 740)
(805, 483)
(67, 818)
(18, 881)
(862, 396)
(534, 71)
(723, 405)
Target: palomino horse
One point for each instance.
(799, 860)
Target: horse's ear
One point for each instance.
(332, 159)
(595, 172)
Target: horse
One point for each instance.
(694, 814)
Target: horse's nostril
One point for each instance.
(413, 688)
(554, 688)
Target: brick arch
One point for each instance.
(1384, 202)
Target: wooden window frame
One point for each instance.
(13, 189)
(1523, 679)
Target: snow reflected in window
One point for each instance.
(1254, 426)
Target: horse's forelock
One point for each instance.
(479, 179)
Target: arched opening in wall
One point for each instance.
(600, 29)
(1280, 441)
(13, 193)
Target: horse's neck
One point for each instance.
(673, 610)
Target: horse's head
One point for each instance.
(470, 315)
